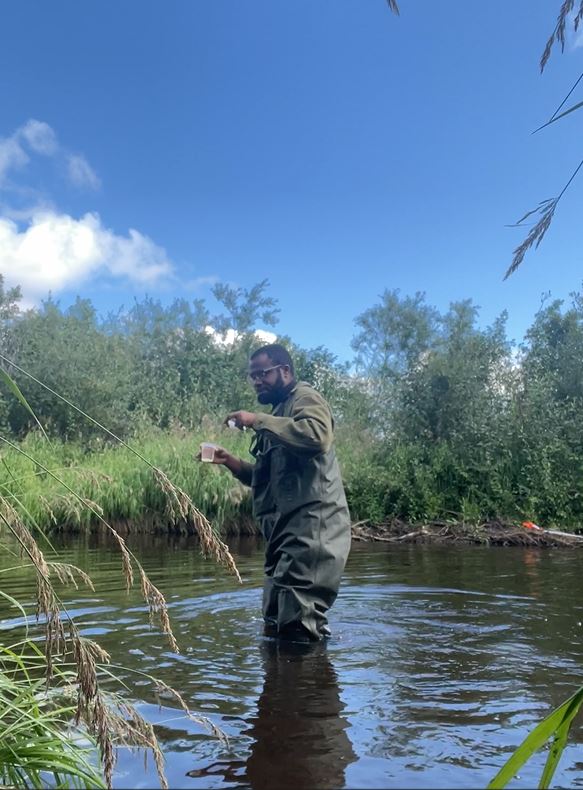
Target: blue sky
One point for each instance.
(328, 145)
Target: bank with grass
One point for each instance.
(437, 419)
(110, 482)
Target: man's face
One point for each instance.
(268, 379)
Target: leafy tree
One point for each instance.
(393, 334)
(69, 352)
(9, 311)
(245, 307)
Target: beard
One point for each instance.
(276, 392)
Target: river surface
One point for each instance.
(440, 662)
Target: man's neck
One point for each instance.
(285, 393)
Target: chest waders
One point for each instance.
(299, 501)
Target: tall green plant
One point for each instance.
(556, 726)
(37, 740)
(20, 704)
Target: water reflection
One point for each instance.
(298, 734)
(300, 738)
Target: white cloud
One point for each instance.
(56, 252)
(199, 282)
(43, 249)
(12, 156)
(35, 135)
(228, 338)
(264, 336)
(81, 174)
(39, 136)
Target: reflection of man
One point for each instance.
(300, 738)
(298, 497)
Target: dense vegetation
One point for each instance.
(438, 418)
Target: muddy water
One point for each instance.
(441, 660)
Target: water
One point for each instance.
(441, 661)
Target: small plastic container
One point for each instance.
(207, 452)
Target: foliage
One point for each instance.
(36, 742)
(556, 726)
(393, 334)
(244, 307)
(475, 425)
(445, 418)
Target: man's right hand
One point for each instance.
(236, 466)
(221, 456)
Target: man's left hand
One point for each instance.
(243, 419)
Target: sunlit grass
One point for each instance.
(116, 484)
(38, 740)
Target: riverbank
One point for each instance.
(491, 533)
(69, 487)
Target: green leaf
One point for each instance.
(13, 386)
(554, 724)
(559, 744)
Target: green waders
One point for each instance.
(299, 501)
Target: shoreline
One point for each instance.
(490, 533)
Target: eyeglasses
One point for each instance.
(259, 375)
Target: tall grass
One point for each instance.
(110, 479)
(36, 489)
(37, 740)
(405, 482)
(44, 693)
(554, 728)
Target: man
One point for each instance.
(298, 497)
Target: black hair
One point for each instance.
(277, 354)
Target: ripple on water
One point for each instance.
(439, 664)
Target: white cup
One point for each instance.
(207, 452)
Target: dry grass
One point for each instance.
(546, 209)
(47, 603)
(157, 606)
(202, 720)
(105, 721)
(66, 574)
(87, 654)
(181, 507)
(110, 720)
(558, 34)
(536, 234)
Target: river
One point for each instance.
(441, 661)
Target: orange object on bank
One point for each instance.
(531, 525)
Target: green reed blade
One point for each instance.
(560, 741)
(14, 388)
(548, 727)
